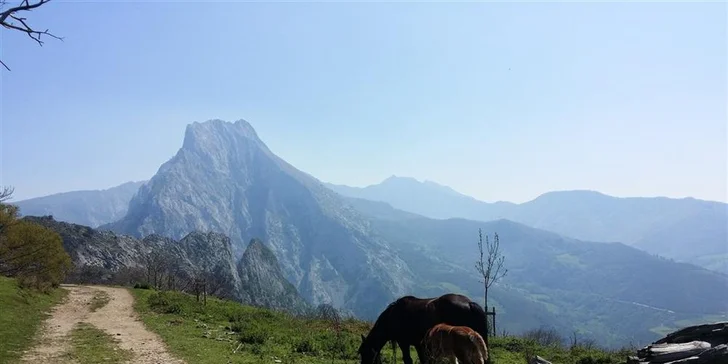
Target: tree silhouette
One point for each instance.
(490, 265)
(10, 18)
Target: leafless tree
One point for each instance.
(584, 343)
(544, 336)
(8, 213)
(6, 193)
(11, 18)
(328, 313)
(490, 264)
(158, 265)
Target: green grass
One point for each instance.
(514, 350)
(21, 313)
(91, 346)
(227, 332)
(211, 333)
(100, 299)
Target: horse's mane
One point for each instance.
(380, 325)
(385, 314)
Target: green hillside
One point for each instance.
(227, 332)
(611, 292)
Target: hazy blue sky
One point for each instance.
(499, 101)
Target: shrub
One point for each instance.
(513, 344)
(251, 333)
(305, 345)
(34, 254)
(544, 337)
(235, 316)
(143, 286)
(161, 302)
(594, 360)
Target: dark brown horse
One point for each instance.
(408, 319)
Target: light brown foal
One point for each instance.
(456, 343)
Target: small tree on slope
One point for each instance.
(490, 266)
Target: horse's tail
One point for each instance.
(480, 324)
(480, 345)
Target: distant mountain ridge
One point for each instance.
(686, 229)
(87, 207)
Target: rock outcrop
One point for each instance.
(699, 344)
(255, 279)
(263, 283)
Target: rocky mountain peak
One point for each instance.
(216, 135)
(225, 179)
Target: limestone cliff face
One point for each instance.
(88, 246)
(196, 254)
(263, 283)
(224, 179)
(209, 254)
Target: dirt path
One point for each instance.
(117, 318)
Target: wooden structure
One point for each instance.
(700, 344)
(491, 321)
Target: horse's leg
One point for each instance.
(422, 353)
(406, 357)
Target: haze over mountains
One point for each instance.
(91, 208)
(359, 254)
(688, 230)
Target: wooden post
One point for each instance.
(491, 328)
(495, 332)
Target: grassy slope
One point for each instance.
(91, 346)
(21, 312)
(211, 334)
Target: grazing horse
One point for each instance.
(460, 344)
(408, 319)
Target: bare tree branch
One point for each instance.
(25, 5)
(10, 20)
(6, 193)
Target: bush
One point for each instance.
(305, 345)
(251, 333)
(510, 343)
(34, 254)
(544, 337)
(142, 286)
(594, 360)
(161, 302)
(253, 337)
